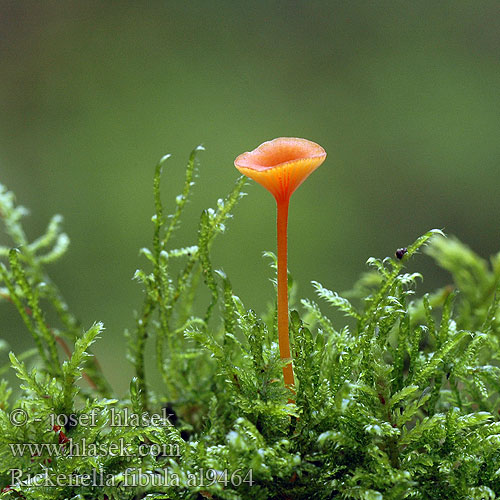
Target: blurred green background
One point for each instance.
(404, 96)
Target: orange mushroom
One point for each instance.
(281, 166)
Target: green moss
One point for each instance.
(400, 403)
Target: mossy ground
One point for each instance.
(400, 402)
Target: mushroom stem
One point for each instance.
(283, 337)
